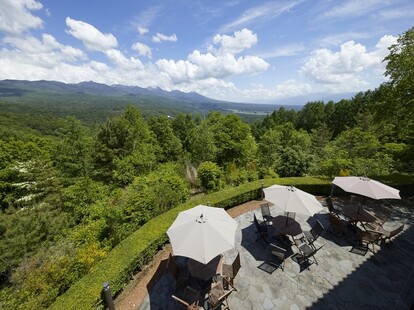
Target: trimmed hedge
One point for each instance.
(135, 251)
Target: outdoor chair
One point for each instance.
(337, 225)
(332, 209)
(189, 299)
(307, 253)
(382, 216)
(217, 296)
(313, 234)
(368, 237)
(279, 256)
(261, 229)
(230, 271)
(387, 235)
(267, 217)
(180, 274)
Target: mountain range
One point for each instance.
(62, 99)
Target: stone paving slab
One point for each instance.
(340, 280)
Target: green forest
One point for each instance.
(71, 190)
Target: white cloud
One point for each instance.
(396, 13)
(260, 13)
(91, 37)
(339, 38)
(16, 17)
(159, 37)
(289, 50)
(142, 49)
(44, 53)
(117, 58)
(142, 30)
(145, 18)
(354, 8)
(257, 93)
(241, 41)
(200, 66)
(291, 88)
(346, 69)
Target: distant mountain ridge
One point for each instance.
(93, 88)
(62, 99)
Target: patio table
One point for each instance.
(291, 228)
(358, 214)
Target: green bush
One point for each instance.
(210, 176)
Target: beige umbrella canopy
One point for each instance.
(366, 187)
(292, 199)
(202, 233)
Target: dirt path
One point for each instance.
(135, 292)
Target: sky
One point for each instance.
(241, 50)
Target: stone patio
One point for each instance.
(342, 279)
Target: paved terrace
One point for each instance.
(343, 278)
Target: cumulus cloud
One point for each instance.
(159, 37)
(16, 16)
(291, 88)
(142, 49)
(200, 66)
(117, 58)
(241, 41)
(347, 66)
(43, 53)
(92, 38)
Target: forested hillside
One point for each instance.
(70, 189)
(93, 103)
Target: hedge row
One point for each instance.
(139, 248)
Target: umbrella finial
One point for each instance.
(201, 219)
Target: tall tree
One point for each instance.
(170, 145)
(232, 138)
(400, 70)
(182, 125)
(119, 138)
(73, 152)
(311, 116)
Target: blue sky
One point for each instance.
(244, 51)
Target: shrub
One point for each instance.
(210, 176)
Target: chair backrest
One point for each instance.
(329, 204)
(256, 222)
(261, 230)
(216, 301)
(317, 230)
(396, 231)
(336, 222)
(180, 301)
(172, 266)
(236, 265)
(383, 215)
(189, 298)
(264, 207)
(278, 251)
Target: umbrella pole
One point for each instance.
(361, 204)
(332, 190)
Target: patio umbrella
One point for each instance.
(292, 199)
(366, 187)
(202, 233)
